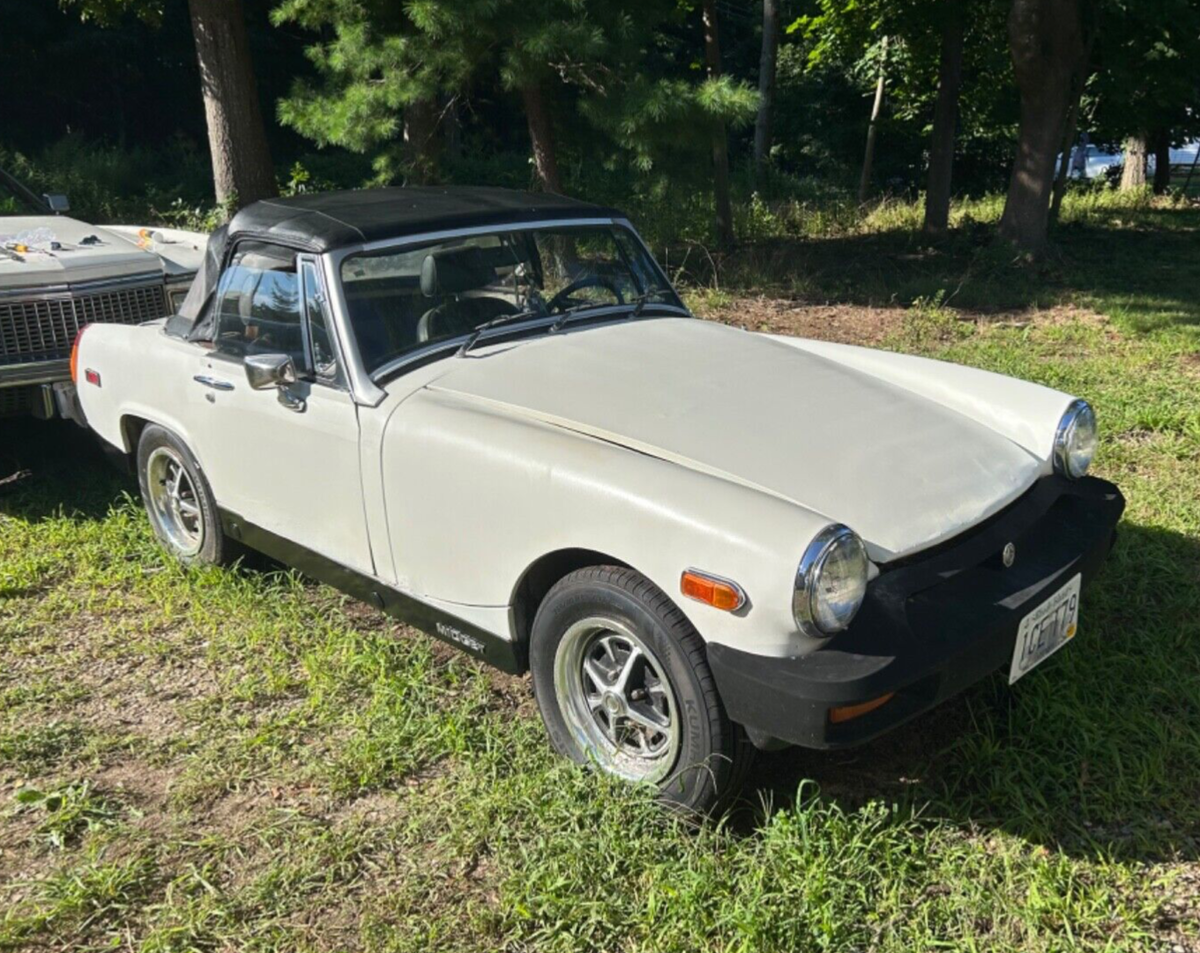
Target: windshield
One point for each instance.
(403, 299)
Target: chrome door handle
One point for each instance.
(212, 382)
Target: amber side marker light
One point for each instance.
(75, 355)
(841, 713)
(712, 590)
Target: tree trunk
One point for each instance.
(1071, 127)
(1046, 42)
(864, 181)
(1133, 173)
(1162, 161)
(766, 92)
(720, 143)
(541, 135)
(420, 140)
(237, 138)
(945, 117)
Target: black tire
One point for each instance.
(156, 445)
(711, 754)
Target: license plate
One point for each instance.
(1046, 629)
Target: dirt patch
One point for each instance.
(846, 324)
(1058, 315)
(871, 326)
(1181, 912)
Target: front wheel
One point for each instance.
(622, 681)
(179, 501)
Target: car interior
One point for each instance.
(433, 294)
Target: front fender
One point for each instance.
(474, 496)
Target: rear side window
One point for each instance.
(259, 305)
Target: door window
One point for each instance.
(258, 305)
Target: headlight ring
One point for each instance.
(831, 582)
(1075, 440)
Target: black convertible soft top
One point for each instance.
(323, 221)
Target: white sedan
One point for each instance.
(58, 273)
(488, 413)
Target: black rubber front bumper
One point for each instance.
(930, 625)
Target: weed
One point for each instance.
(70, 812)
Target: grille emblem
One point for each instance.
(1009, 556)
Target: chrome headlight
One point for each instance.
(831, 582)
(1076, 439)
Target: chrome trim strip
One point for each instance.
(424, 237)
(42, 292)
(34, 372)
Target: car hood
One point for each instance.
(903, 471)
(106, 254)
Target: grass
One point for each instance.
(243, 760)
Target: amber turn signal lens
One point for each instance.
(75, 356)
(712, 590)
(848, 712)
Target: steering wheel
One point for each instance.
(587, 281)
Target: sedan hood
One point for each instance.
(88, 253)
(902, 470)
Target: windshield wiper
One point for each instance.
(638, 303)
(495, 323)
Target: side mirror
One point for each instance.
(265, 371)
(58, 202)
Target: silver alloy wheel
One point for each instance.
(615, 697)
(173, 501)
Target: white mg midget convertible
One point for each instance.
(488, 414)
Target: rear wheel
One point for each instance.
(179, 501)
(622, 681)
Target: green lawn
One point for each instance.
(242, 760)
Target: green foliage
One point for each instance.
(70, 812)
(36, 747)
(379, 63)
(107, 183)
(106, 13)
(1149, 54)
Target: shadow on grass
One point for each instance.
(1140, 264)
(48, 468)
(1096, 753)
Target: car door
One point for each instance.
(285, 460)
